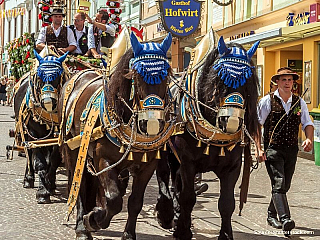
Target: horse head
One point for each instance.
(229, 84)
(151, 68)
(48, 80)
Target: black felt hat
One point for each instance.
(58, 11)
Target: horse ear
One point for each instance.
(253, 49)
(166, 43)
(63, 57)
(222, 48)
(136, 45)
(37, 56)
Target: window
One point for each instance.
(21, 24)
(29, 21)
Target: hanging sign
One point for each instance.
(180, 17)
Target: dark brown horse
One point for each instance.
(134, 113)
(219, 109)
(35, 107)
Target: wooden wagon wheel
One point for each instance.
(223, 2)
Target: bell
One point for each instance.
(207, 150)
(222, 153)
(121, 149)
(144, 158)
(158, 155)
(130, 156)
(165, 147)
(56, 129)
(48, 127)
(230, 148)
(199, 144)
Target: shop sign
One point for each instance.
(299, 19)
(241, 35)
(315, 12)
(180, 17)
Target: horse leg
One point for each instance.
(187, 200)
(114, 191)
(86, 202)
(226, 202)
(164, 206)
(28, 181)
(55, 160)
(135, 201)
(39, 157)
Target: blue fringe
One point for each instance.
(233, 74)
(152, 71)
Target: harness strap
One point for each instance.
(67, 93)
(81, 160)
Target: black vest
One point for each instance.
(106, 39)
(286, 133)
(59, 42)
(83, 41)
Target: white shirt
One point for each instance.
(264, 108)
(70, 37)
(111, 29)
(78, 35)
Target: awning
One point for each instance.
(281, 35)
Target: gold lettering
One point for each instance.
(188, 13)
(168, 12)
(188, 29)
(181, 3)
(173, 28)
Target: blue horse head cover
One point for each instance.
(150, 59)
(234, 64)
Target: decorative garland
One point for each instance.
(45, 7)
(19, 51)
(114, 13)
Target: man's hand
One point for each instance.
(63, 50)
(261, 155)
(307, 145)
(89, 20)
(97, 55)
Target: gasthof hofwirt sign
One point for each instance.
(180, 17)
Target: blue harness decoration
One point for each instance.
(233, 66)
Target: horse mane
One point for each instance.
(212, 90)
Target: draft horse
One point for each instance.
(133, 121)
(218, 108)
(35, 107)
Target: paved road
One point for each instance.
(21, 218)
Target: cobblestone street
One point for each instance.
(21, 218)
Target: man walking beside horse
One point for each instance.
(281, 113)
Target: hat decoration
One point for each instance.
(284, 71)
(50, 67)
(150, 59)
(233, 66)
(114, 9)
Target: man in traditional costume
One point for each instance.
(57, 35)
(281, 113)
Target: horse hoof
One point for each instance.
(27, 184)
(166, 225)
(87, 224)
(127, 236)
(44, 200)
(83, 236)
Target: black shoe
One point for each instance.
(274, 222)
(200, 188)
(287, 225)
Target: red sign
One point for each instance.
(315, 12)
(1, 1)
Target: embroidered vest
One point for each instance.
(286, 133)
(59, 42)
(83, 41)
(105, 38)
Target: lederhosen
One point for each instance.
(82, 45)
(59, 42)
(283, 149)
(106, 39)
